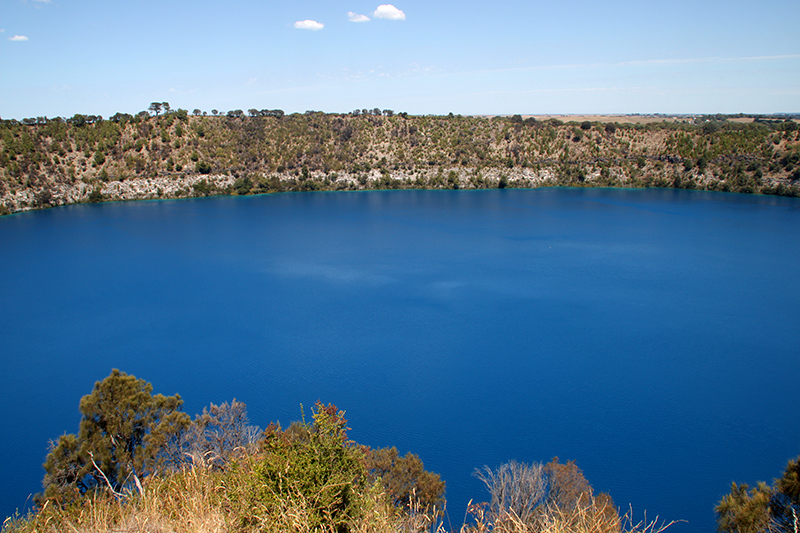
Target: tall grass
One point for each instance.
(200, 499)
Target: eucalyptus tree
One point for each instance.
(125, 433)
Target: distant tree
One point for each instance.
(43, 198)
(197, 112)
(155, 108)
(77, 120)
(214, 112)
(586, 125)
(517, 119)
(120, 117)
(203, 167)
(243, 185)
(611, 128)
(166, 107)
(122, 433)
(388, 112)
(253, 112)
(202, 188)
(711, 126)
(277, 113)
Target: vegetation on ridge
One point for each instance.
(171, 154)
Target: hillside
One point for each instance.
(48, 162)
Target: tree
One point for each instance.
(568, 487)
(774, 508)
(77, 120)
(538, 495)
(516, 488)
(166, 107)
(123, 432)
(744, 510)
(223, 432)
(405, 478)
(202, 167)
(155, 107)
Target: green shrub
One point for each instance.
(202, 167)
(313, 467)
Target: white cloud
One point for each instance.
(355, 17)
(18, 38)
(388, 11)
(312, 25)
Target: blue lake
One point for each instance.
(650, 335)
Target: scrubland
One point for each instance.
(47, 162)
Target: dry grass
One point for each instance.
(593, 517)
(190, 503)
(201, 500)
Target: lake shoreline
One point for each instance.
(197, 186)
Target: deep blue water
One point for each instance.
(651, 335)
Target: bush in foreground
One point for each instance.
(139, 465)
(774, 509)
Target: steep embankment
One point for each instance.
(84, 159)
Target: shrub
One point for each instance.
(313, 467)
(202, 167)
(405, 479)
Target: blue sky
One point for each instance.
(61, 57)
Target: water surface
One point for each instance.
(650, 335)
